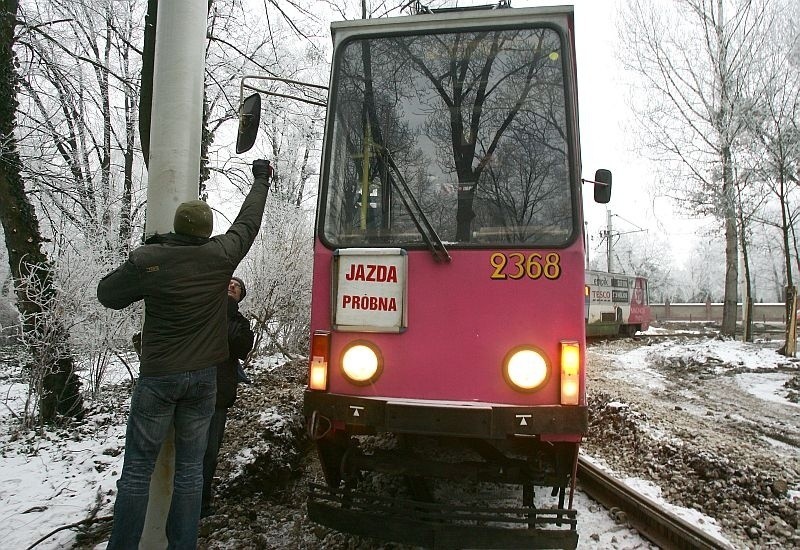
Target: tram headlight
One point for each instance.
(362, 362)
(570, 369)
(526, 368)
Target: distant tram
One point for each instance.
(615, 304)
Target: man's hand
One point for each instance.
(262, 169)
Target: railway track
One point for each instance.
(645, 515)
(689, 335)
(676, 335)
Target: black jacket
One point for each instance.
(240, 342)
(183, 282)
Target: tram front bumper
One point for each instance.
(480, 420)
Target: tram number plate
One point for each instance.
(517, 265)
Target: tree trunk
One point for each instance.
(105, 164)
(789, 348)
(304, 172)
(723, 124)
(747, 299)
(125, 215)
(30, 268)
(205, 143)
(790, 345)
(131, 93)
(729, 307)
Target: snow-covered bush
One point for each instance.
(277, 273)
(94, 333)
(97, 334)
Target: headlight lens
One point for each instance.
(361, 362)
(526, 368)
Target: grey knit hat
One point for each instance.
(241, 286)
(194, 218)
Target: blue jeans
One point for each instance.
(187, 400)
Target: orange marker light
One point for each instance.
(570, 368)
(318, 364)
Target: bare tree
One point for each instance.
(646, 255)
(750, 201)
(126, 33)
(54, 378)
(776, 144)
(770, 252)
(78, 79)
(696, 58)
(274, 45)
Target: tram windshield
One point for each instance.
(473, 125)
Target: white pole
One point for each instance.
(154, 532)
(173, 178)
(177, 112)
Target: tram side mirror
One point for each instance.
(602, 186)
(249, 118)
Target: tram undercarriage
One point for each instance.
(445, 492)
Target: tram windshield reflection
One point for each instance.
(475, 122)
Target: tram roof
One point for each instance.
(449, 20)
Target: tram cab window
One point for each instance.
(471, 126)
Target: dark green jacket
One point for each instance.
(240, 342)
(183, 282)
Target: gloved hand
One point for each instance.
(262, 169)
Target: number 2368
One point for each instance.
(517, 265)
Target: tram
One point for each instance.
(616, 304)
(448, 278)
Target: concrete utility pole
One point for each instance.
(177, 112)
(609, 250)
(586, 242)
(173, 178)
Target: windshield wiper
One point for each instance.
(429, 234)
(424, 226)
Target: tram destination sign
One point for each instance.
(370, 290)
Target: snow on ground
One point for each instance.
(753, 360)
(770, 387)
(53, 478)
(706, 406)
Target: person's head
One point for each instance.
(193, 218)
(236, 289)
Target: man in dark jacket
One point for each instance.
(240, 342)
(182, 278)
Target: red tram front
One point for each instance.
(447, 300)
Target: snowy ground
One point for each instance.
(702, 424)
(711, 423)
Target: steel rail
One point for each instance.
(676, 335)
(652, 520)
(708, 334)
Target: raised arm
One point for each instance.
(238, 239)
